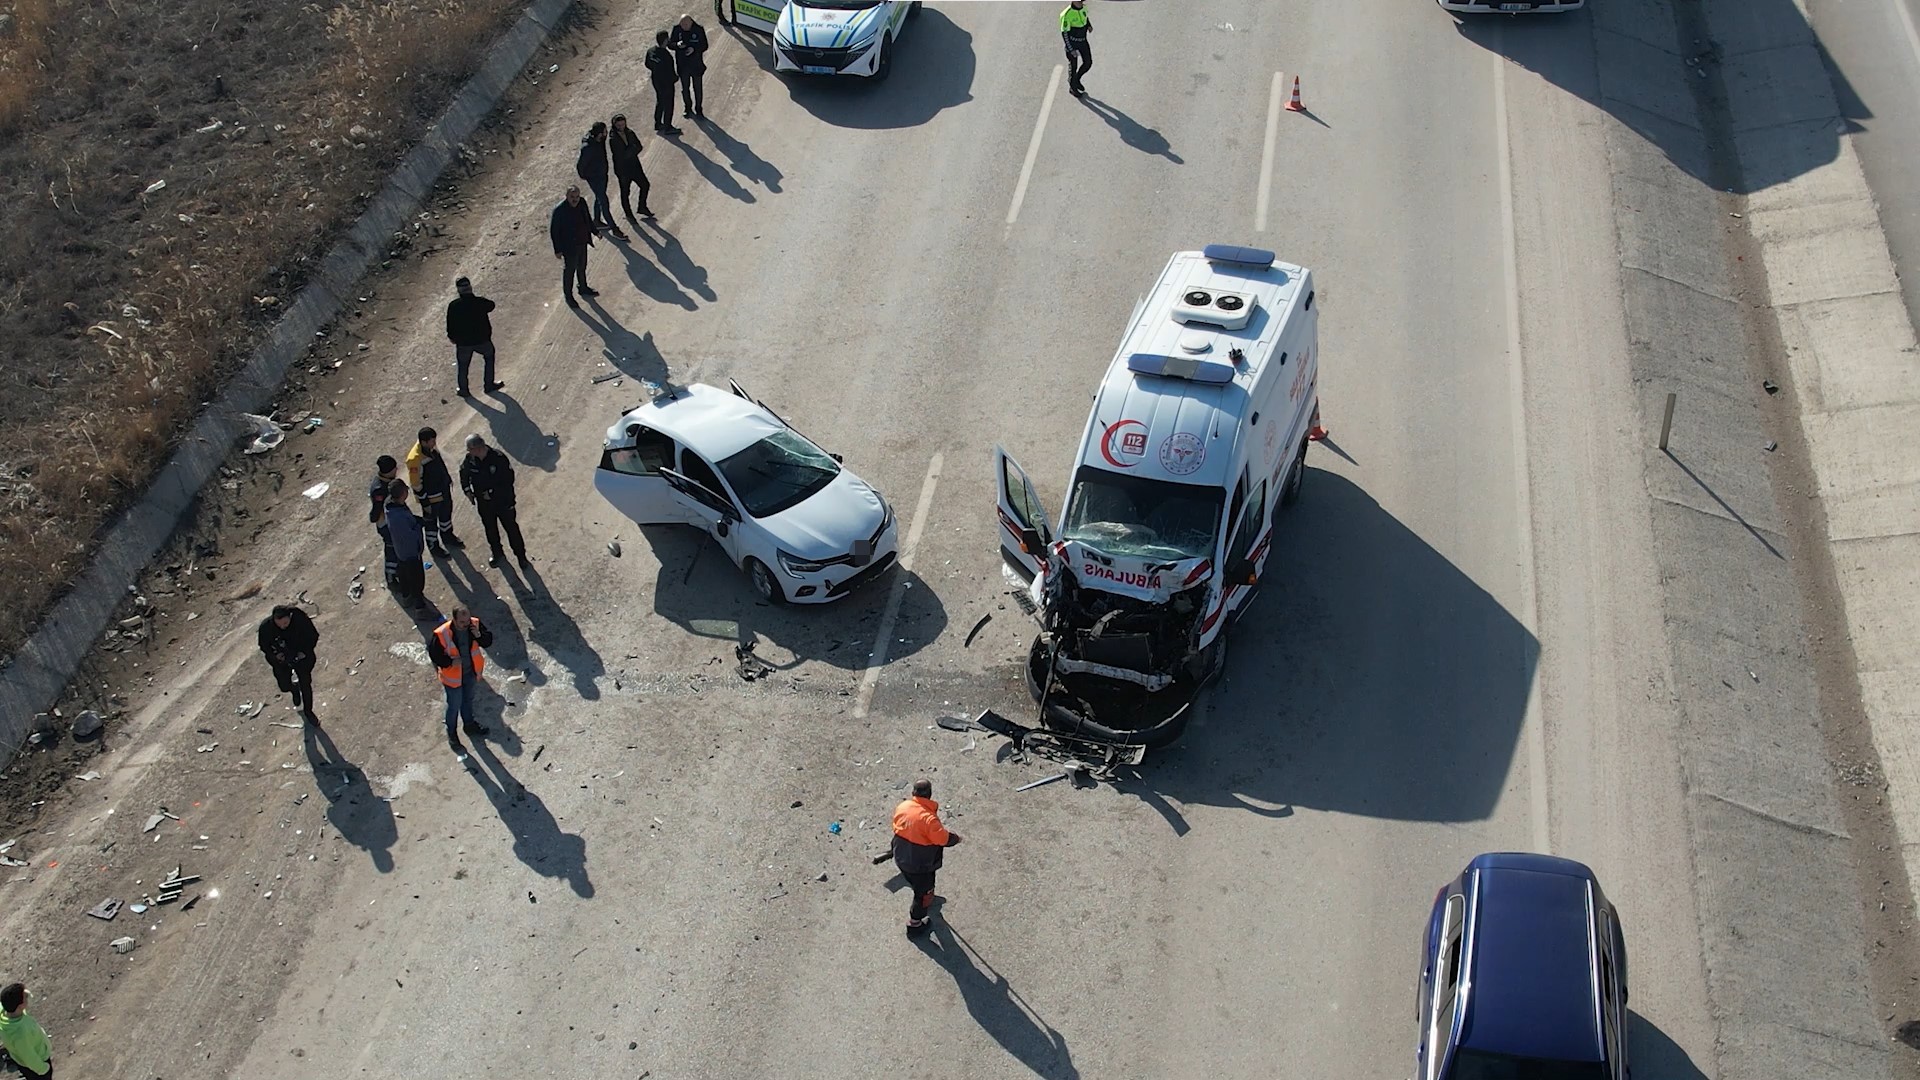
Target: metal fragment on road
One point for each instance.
(105, 910)
(122, 945)
(613, 548)
(977, 627)
(608, 377)
(90, 774)
(1043, 782)
(317, 490)
(153, 822)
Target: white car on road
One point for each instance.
(839, 37)
(804, 529)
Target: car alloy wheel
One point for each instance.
(765, 585)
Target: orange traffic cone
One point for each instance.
(1294, 105)
(1316, 433)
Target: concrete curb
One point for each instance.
(34, 678)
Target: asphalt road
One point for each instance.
(1459, 649)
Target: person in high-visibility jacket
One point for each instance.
(1075, 28)
(920, 842)
(454, 649)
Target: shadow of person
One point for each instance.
(550, 627)
(1654, 1056)
(712, 171)
(633, 355)
(652, 282)
(490, 709)
(471, 588)
(516, 433)
(537, 839)
(673, 258)
(1132, 132)
(362, 817)
(994, 1004)
(741, 156)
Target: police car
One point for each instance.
(839, 37)
(1199, 430)
(804, 529)
(1510, 7)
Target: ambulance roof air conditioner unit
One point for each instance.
(1228, 310)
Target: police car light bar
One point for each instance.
(1180, 367)
(1240, 256)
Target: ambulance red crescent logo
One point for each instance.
(1134, 443)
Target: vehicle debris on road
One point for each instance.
(122, 945)
(105, 910)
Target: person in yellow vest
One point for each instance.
(455, 651)
(1075, 28)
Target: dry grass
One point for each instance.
(122, 307)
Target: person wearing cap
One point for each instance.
(429, 478)
(570, 227)
(471, 331)
(662, 71)
(591, 166)
(689, 44)
(624, 142)
(920, 842)
(385, 471)
(1075, 27)
(486, 475)
(287, 638)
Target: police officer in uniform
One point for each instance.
(486, 475)
(427, 475)
(287, 639)
(1074, 30)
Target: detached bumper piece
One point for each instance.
(879, 567)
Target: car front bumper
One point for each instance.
(802, 60)
(835, 582)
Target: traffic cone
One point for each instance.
(1316, 433)
(1294, 105)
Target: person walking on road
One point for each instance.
(427, 474)
(571, 228)
(689, 44)
(486, 475)
(288, 639)
(471, 331)
(919, 844)
(591, 166)
(21, 1036)
(455, 651)
(385, 471)
(625, 145)
(1075, 29)
(661, 70)
(408, 539)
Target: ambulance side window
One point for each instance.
(1250, 526)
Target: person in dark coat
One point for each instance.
(385, 471)
(409, 542)
(625, 144)
(591, 166)
(662, 70)
(689, 44)
(430, 479)
(920, 843)
(571, 228)
(486, 475)
(288, 639)
(471, 331)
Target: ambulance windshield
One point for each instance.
(1147, 519)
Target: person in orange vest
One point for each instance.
(919, 843)
(455, 650)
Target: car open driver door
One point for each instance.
(1024, 533)
(631, 477)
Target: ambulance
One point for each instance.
(826, 37)
(1198, 436)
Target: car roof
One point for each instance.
(1531, 977)
(713, 423)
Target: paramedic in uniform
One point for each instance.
(919, 843)
(1074, 30)
(429, 478)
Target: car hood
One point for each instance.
(828, 28)
(831, 521)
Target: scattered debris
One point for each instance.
(87, 725)
(122, 945)
(822, 877)
(207, 749)
(317, 490)
(1044, 781)
(1771, 446)
(977, 627)
(315, 423)
(188, 906)
(613, 548)
(137, 909)
(834, 828)
(883, 856)
(751, 667)
(541, 750)
(90, 774)
(266, 433)
(355, 591)
(608, 377)
(212, 127)
(778, 894)
(105, 910)
(8, 860)
(796, 804)
(154, 821)
(155, 186)
(1769, 386)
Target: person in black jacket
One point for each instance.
(471, 332)
(385, 471)
(571, 228)
(428, 476)
(689, 45)
(486, 475)
(625, 144)
(591, 166)
(661, 69)
(287, 640)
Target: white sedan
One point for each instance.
(804, 529)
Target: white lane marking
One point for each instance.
(1913, 32)
(1532, 723)
(1266, 154)
(878, 658)
(1033, 144)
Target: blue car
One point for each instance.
(1525, 975)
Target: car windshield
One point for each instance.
(1482, 1065)
(1149, 519)
(778, 472)
(842, 5)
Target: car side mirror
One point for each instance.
(837, 459)
(722, 527)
